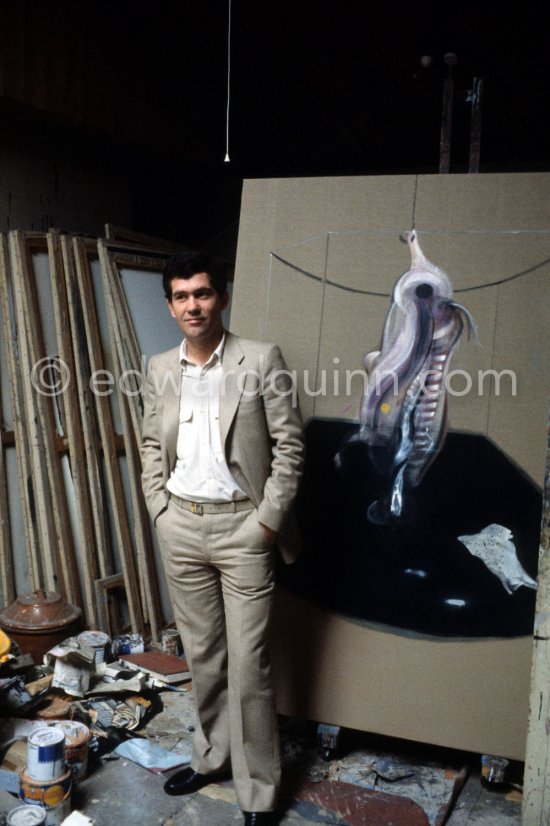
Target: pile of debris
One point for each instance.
(85, 701)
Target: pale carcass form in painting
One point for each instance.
(404, 409)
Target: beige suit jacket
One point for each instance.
(261, 432)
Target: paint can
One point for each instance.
(53, 709)
(46, 753)
(493, 771)
(127, 644)
(171, 642)
(27, 816)
(77, 739)
(53, 796)
(98, 641)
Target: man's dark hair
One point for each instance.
(189, 263)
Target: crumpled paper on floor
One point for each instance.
(74, 664)
(76, 672)
(151, 756)
(105, 681)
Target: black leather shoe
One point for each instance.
(259, 818)
(188, 781)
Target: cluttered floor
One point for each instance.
(138, 736)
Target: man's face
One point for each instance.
(197, 308)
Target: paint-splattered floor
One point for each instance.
(366, 780)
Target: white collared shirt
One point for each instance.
(201, 473)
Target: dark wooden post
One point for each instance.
(475, 127)
(447, 116)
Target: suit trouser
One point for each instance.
(219, 570)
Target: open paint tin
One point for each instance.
(98, 641)
(27, 816)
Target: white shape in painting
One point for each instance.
(494, 546)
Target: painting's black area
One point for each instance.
(374, 572)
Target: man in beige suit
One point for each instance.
(222, 455)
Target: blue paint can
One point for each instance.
(127, 644)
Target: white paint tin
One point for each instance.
(27, 816)
(46, 753)
(96, 640)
